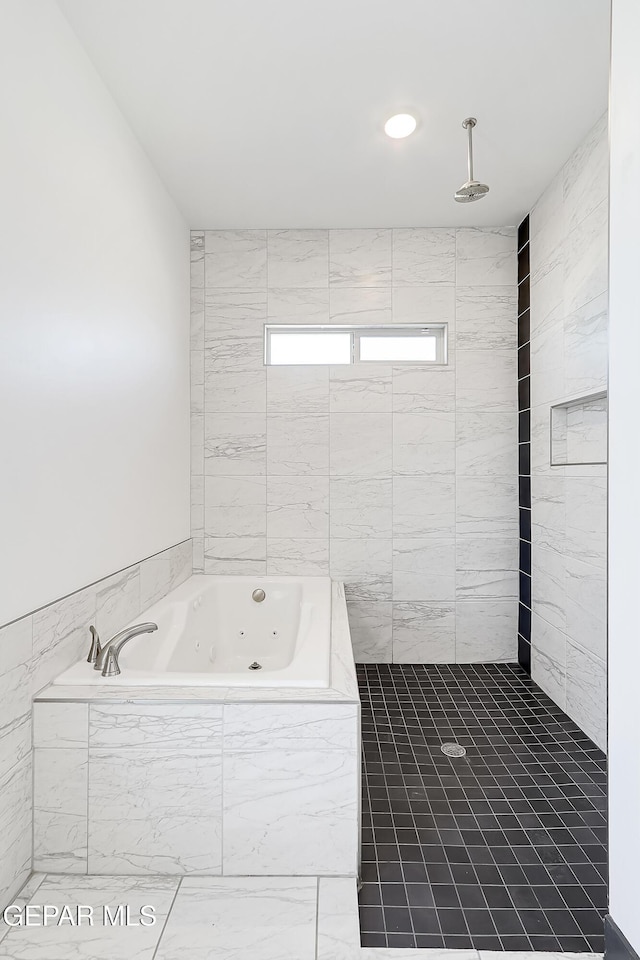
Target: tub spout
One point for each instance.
(107, 659)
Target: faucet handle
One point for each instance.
(96, 647)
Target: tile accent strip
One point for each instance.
(524, 448)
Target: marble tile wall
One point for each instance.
(399, 480)
(200, 789)
(33, 651)
(569, 264)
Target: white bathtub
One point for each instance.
(210, 631)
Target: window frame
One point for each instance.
(357, 331)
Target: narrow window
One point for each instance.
(412, 343)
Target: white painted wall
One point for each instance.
(624, 470)
(93, 326)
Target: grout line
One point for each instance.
(166, 920)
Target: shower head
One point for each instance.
(471, 189)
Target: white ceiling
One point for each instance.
(269, 113)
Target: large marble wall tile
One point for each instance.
(364, 566)
(360, 258)
(549, 675)
(486, 444)
(548, 658)
(424, 569)
(586, 519)
(197, 290)
(587, 260)
(117, 601)
(234, 313)
(540, 431)
(365, 388)
(198, 555)
(586, 605)
(361, 305)
(15, 693)
(61, 630)
(487, 630)
(235, 506)
(286, 305)
(297, 445)
(60, 725)
(235, 444)
(423, 444)
(486, 507)
(163, 572)
(275, 796)
(197, 506)
(209, 919)
(423, 507)
(586, 175)
(486, 317)
(298, 258)
(159, 726)
(424, 256)
(196, 439)
(232, 355)
(15, 830)
(360, 445)
(486, 568)
(486, 256)
(548, 512)
(231, 556)
(486, 380)
(298, 507)
(298, 389)
(549, 584)
(60, 810)
(419, 390)
(236, 392)
(424, 632)
(587, 693)
(360, 507)
(371, 630)
(235, 258)
(290, 726)
(175, 825)
(102, 940)
(297, 557)
(586, 347)
(547, 223)
(427, 304)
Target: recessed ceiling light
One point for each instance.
(399, 126)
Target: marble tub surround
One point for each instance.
(399, 480)
(569, 255)
(34, 650)
(243, 789)
(201, 780)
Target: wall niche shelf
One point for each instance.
(578, 430)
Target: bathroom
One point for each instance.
(319, 510)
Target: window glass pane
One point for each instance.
(310, 348)
(398, 348)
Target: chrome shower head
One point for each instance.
(471, 189)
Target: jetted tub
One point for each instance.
(211, 632)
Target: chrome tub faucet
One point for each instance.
(105, 656)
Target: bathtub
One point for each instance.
(211, 633)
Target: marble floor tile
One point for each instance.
(100, 941)
(338, 926)
(249, 918)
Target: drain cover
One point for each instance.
(255, 665)
(453, 750)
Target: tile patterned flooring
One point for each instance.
(503, 849)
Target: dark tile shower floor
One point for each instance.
(503, 849)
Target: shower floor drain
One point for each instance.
(453, 750)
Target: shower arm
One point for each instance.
(469, 124)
